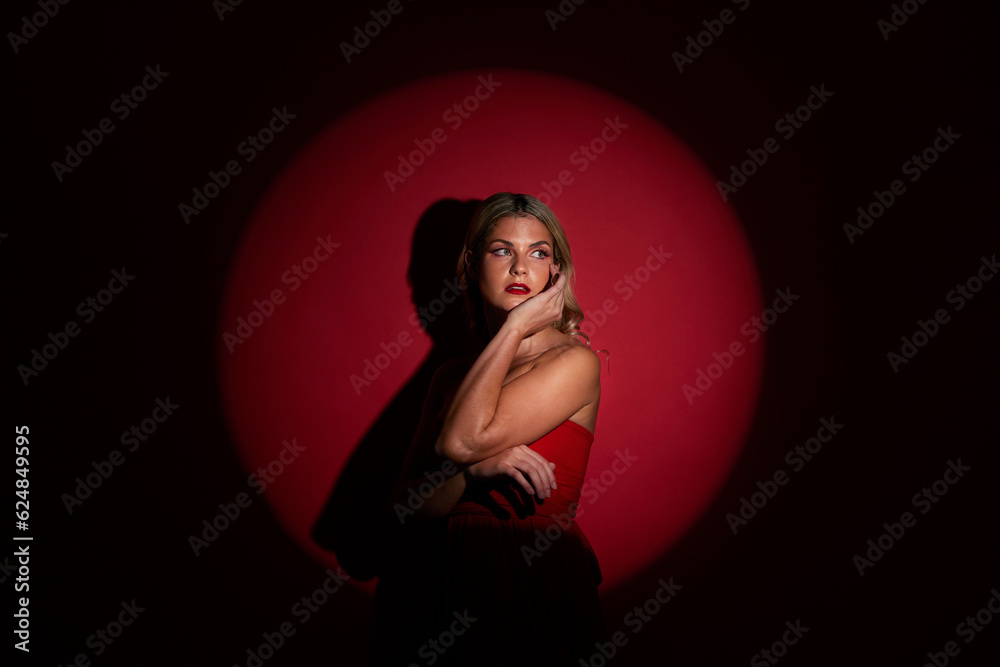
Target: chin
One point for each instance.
(506, 303)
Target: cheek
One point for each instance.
(497, 268)
(493, 275)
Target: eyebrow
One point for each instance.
(508, 243)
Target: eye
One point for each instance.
(542, 254)
(498, 251)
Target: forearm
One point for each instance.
(475, 402)
(425, 500)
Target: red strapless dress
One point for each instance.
(522, 568)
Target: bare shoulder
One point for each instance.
(575, 365)
(573, 358)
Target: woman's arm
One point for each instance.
(432, 492)
(487, 417)
(428, 498)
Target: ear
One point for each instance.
(472, 266)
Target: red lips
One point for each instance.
(517, 288)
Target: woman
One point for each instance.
(516, 582)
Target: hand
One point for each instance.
(516, 463)
(541, 310)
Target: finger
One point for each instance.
(555, 274)
(519, 478)
(558, 291)
(544, 466)
(556, 299)
(530, 457)
(545, 478)
(546, 474)
(560, 301)
(511, 468)
(532, 475)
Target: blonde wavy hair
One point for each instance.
(492, 210)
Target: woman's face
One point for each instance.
(517, 253)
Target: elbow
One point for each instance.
(454, 450)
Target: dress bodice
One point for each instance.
(568, 446)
